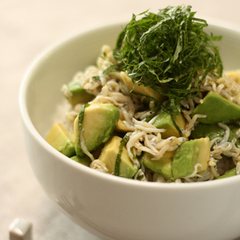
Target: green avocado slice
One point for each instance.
(59, 138)
(188, 155)
(78, 94)
(97, 123)
(109, 156)
(162, 166)
(230, 173)
(217, 109)
(207, 130)
(85, 160)
(213, 131)
(164, 121)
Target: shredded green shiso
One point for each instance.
(118, 160)
(79, 150)
(167, 51)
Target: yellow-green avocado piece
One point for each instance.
(78, 94)
(213, 131)
(230, 173)
(164, 121)
(188, 155)
(109, 156)
(99, 122)
(217, 109)
(162, 166)
(85, 160)
(144, 90)
(61, 139)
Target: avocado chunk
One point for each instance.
(213, 131)
(233, 131)
(230, 173)
(164, 121)
(85, 160)
(207, 130)
(121, 127)
(217, 109)
(109, 155)
(59, 138)
(141, 89)
(162, 166)
(78, 94)
(188, 155)
(98, 124)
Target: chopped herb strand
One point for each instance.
(118, 160)
(79, 150)
(97, 78)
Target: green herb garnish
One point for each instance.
(167, 51)
(97, 78)
(79, 151)
(118, 159)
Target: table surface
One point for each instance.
(27, 27)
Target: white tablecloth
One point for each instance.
(26, 28)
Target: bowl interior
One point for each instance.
(229, 46)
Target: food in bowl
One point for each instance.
(116, 207)
(158, 107)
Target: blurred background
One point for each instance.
(27, 27)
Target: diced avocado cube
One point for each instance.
(164, 121)
(99, 122)
(60, 139)
(213, 131)
(85, 160)
(207, 130)
(230, 173)
(233, 131)
(188, 155)
(79, 94)
(121, 127)
(141, 89)
(217, 109)
(162, 166)
(109, 156)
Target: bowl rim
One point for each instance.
(26, 121)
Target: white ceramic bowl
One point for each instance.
(109, 206)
